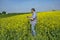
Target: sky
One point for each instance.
(26, 5)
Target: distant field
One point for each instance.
(16, 27)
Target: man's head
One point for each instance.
(32, 10)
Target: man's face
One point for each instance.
(32, 11)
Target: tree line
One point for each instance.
(3, 12)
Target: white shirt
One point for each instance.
(34, 15)
(34, 21)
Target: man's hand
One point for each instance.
(31, 19)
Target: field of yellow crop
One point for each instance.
(17, 27)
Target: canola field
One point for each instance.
(17, 27)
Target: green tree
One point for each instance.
(53, 10)
(0, 13)
(3, 12)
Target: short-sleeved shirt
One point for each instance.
(33, 16)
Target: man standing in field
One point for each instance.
(33, 21)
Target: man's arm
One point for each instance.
(33, 17)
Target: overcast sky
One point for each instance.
(26, 5)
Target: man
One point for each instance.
(33, 21)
